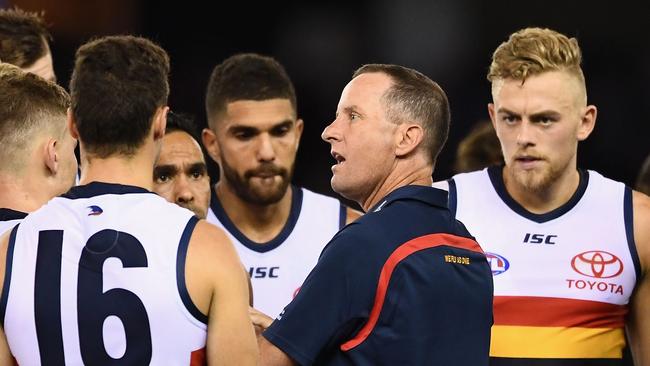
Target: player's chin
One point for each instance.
(269, 195)
(533, 181)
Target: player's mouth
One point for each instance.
(528, 161)
(266, 174)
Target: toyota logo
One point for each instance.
(597, 264)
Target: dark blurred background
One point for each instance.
(321, 43)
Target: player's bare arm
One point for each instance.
(218, 287)
(5, 353)
(639, 323)
(270, 355)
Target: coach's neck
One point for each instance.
(411, 170)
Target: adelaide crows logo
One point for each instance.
(95, 210)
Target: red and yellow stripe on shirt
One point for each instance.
(545, 327)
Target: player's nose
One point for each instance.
(266, 150)
(183, 191)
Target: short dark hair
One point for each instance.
(184, 123)
(246, 76)
(28, 104)
(117, 85)
(413, 96)
(23, 37)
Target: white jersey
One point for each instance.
(562, 280)
(279, 267)
(97, 276)
(9, 218)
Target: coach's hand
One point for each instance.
(260, 320)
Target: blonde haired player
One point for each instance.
(37, 160)
(569, 248)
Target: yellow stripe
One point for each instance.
(556, 342)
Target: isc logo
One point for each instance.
(539, 238)
(263, 272)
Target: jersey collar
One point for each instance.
(100, 188)
(7, 214)
(294, 214)
(496, 177)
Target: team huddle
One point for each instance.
(128, 254)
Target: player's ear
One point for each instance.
(300, 126)
(492, 114)
(587, 122)
(72, 125)
(50, 157)
(160, 123)
(211, 144)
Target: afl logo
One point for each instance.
(498, 264)
(597, 264)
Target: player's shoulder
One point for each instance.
(210, 250)
(642, 200)
(309, 195)
(641, 217)
(441, 184)
(446, 184)
(208, 235)
(321, 204)
(641, 207)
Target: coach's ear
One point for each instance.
(72, 125)
(408, 136)
(160, 123)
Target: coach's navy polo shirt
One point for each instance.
(405, 284)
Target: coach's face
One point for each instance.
(255, 144)
(362, 139)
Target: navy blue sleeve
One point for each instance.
(332, 304)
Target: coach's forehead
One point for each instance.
(365, 91)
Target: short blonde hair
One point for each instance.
(29, 106)
(532, 51)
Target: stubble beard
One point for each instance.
(248, 192)
(537, 180)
